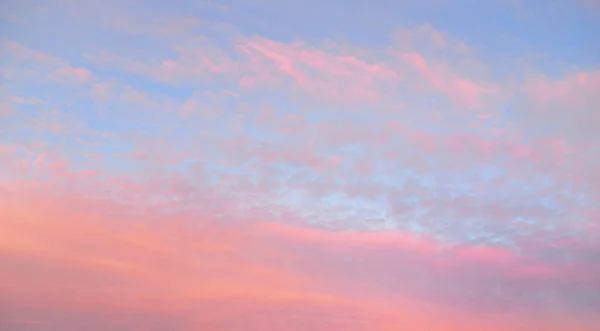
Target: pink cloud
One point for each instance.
(575, 90)
(340, 77)
(52, 67)
(134, 96)
(199, 59)
(68, 255)
(461, 91)
(268, 64)
(373, 255)
(6, 109)
(102, 92)
(436, 256)
(409, 37)
(320, 74)
(212, 223)
(566, 104)
(130, 98)
(23, 53)
(521, 151)
(75, 75)
(25, 100)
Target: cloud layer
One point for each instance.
(202, 167)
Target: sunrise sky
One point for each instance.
(300, 165)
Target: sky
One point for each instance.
(300, 165)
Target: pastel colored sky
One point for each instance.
(300, 165)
